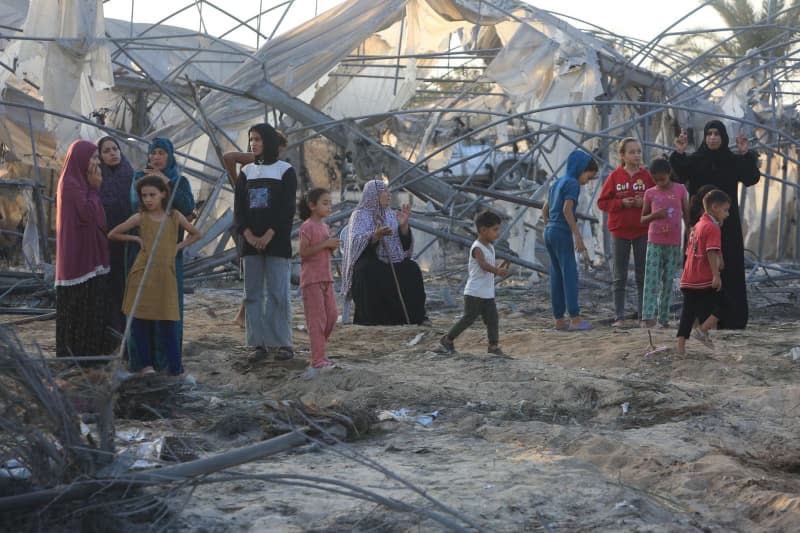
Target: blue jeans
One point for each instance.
(563, 272)
(267, 300)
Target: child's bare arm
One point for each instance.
(308, 249)
(715, 260)
(645, 219)
(545, 212)
(573, 225)
(648, 215)
(477, 253)
(120, 232)
(194, 233)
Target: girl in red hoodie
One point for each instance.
(621, 198)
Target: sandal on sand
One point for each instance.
(323, 363)
(285, 353)
(703, 337)
(258, 354)
(618, 323)
(583, 325)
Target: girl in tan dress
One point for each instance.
(158, 302)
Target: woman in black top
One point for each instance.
(714, 164)
(264, 203)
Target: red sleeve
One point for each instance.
(608, 201)
(713, 237)
(647, 179)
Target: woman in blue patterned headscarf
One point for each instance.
(161, 163)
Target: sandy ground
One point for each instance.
(536, 442)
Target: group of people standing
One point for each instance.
(109, 218)
(119, 234)
(377, 272)
(645, 212)
(99, 272)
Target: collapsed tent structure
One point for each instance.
(465, 104)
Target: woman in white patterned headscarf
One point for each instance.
(379, 241)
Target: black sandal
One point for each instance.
(285, 353)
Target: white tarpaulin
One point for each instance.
(70, 64)
(371, 58)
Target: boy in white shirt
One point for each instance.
(479, 292)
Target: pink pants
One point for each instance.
(319, 306)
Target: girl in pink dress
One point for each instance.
(664, 207)
(316, 282)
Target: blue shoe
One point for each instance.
(583, 325)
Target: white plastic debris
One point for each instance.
(131, 435)
(402, 415)
(795, 353)
(415, 340)
(147, 453)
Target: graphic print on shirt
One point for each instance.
(259, 197)
(639, 186)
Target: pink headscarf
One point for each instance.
(81, 242)
(367, 216)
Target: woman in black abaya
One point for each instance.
(714, 164)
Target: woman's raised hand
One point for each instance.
(681, 142)
(93, 175)
(742, 142)
(403, 215)
(149, 171)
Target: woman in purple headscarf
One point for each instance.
(377, 263)
(115, 195)
(81, 256)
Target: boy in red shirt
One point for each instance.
(700, 282)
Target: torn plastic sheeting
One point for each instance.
(144, 453)
(402, 415)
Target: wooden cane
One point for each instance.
(394, 275)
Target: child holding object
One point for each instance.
(479, 291)
(701, 282)
(316, 282)
(622, 197)
(158, 303)
(560, 229)
(665, 205)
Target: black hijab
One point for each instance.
(720, 127)
(270, 140)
